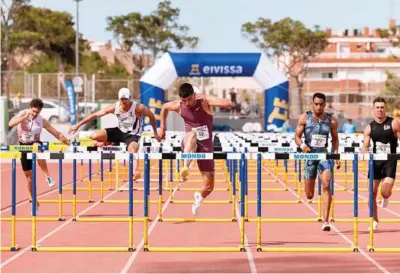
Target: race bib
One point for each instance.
(126, 126)
(201, 133)
(28, 137)
(382, 148)
(318, 140)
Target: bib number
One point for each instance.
(201, 133)
(318, 140)
(126, 126)
(382, 148)
(28, 137)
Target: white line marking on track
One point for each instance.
(51, 233)
(249, 253)
(131, 260)
(363, 253)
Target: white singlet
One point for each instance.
(128, 122)
(29, 130)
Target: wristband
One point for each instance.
(303, 146)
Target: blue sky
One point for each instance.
(217, 22)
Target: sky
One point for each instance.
(218, 22)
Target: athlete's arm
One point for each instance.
(54, 132)
(335, 137)
(218, 102)
(167, 107)
(143, 110)
(367, 139)
(396, 128)
(98, 114)
(22, 115)
(301, 123)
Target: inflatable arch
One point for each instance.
(173, 65)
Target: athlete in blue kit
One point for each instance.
(316, 126)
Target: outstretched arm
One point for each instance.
(98, 114)
(219, 102)
(167, 107)
(54, 132)
(143, 110)
(367, 139)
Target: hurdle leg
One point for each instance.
(117, 174)
(332, 189)
(371, 203)
(299, 182)
(355, 186)
(101, 181)
(319, 200)
(14, 246)
(60, 192)
(171, 179)
(90, 182)
(74, 189)
(130, 248)
(259, 198)
(160, 188)
(146, 203)
(242, 207)
(34, 201)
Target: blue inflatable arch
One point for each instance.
(173, 65)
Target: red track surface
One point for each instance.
(70, 233)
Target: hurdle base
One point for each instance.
(29, 219)
(198, 220)
(84, 249)
(204, 202)
(194, 249)
(384, 249)
(307, 249)
(284, 220)
(10, 248)
(107, 219)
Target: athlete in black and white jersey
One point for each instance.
(384, 132)
(129, 114)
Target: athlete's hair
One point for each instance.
(36, 103)
(186, 90)
(379, 100)
(320, 96)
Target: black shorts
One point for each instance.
(116, 136)
(25, 162)
(383, 169)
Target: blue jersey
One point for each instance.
(317, 132)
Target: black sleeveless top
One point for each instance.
(383, 137)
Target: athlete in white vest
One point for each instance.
(129, 114)
(29, 127)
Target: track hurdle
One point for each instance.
(75, 156)
(259, 219)
(181, 156)
(14, 246)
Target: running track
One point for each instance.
(70, 233)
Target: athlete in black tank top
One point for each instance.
(384, 132)
(383, 137)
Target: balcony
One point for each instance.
(356, 55)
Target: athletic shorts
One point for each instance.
(312, 167)
(25, 162)
(116, 136)
(204, 165)
(383, 169)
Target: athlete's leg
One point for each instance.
(376, 188)
(133, 147)
(27, 168)
(208, 183)
(310, 174)
(189, 144)
(389, 172)
(100, 136)
(326, 194)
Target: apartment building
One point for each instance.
(352, 69)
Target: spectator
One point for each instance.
(349, 127)
(245, 107)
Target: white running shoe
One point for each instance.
(50, 181)
(326, 226)
(374, 226)
(198, 199)
(384, 203)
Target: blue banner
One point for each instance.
(276, 107)
(71, 101)
(215, 64)
(152, 97)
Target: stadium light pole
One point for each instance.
(77, 39)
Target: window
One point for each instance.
(327, 75)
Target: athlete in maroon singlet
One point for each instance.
(196, 111)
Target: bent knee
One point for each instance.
(310, 195)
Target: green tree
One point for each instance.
(8, 12)
(292, 44)
(392, 34)
(153, 34)
(392, 88)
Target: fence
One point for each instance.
(344, 102)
